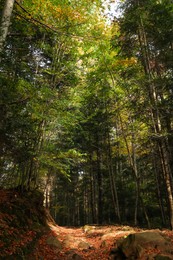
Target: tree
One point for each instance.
(5, 21)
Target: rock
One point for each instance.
(68, 244)
(53, 241)
(76, 257)
(136, 245)
(89, 229)
(72, 255)
(83, 245)
(72, 243)
(127, 228)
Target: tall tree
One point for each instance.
(5, 21)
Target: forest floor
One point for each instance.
(93, 242)
(27, 232)
(89, 242)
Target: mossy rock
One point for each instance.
(136, 244)
(89, 229)
(83, 245)
(53, 241)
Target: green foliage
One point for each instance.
(77, 113)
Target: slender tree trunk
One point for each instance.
(139, 199)
(137, 179)
(159, 194)
(113, 181)
(145, 213)
(92, 193)
(99, 180)
(133, 164)
(47, 191)
(5, 21)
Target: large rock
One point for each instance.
(138, 246)
(83, 245)
(89, 229)
(69, 242)
(53, 241)
(75, 243)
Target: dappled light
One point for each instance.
(86, 129)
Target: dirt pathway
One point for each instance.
(89, 242)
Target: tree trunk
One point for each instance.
(159, 193)
(5, 21)
(113, 181)
(99, 180)
(92, 192)
(133, 165)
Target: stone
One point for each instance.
(53, 241)
(135, 245)
(127, 228)
(89, 229)
(76, 257)
(83, 245)
(72, 255)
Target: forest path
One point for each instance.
(88, 242)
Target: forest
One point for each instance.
(86, 100)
